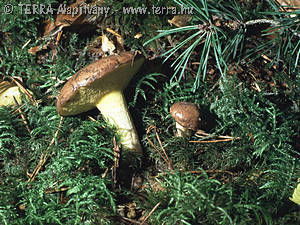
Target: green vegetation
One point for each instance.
(237, 60)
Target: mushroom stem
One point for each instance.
(182, 131)
(114, 109)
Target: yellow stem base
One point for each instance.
(114, 109)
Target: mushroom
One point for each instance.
(186, 116)
(10, 94)
(101, 85)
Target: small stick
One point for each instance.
(105, 173)
(26, 43)
(201, 132)
(165, 158)
(119, 37)
(116, 162)
(199, 172)
(212, 88)
(162, 148)
(94, 120)
(58, 38)
(44, 156)
(39, 166)
(130, 220)
(151, 143)
(210, 171)
(213, 141)
(150, 213)
(22, 116)
(24, 90)
(56, 190)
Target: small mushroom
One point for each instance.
(10, 94)
(186, 116)
(101, 85)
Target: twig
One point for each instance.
(212, 88)
(22, 116)
(213, 141)
(201, 133)
(56, 190)
(150, 213)
(26, 43)
(260, 21)
(268, 59)
(129, 220)
(52, 35)
(210, 171)
(165, 158)
(163, 150)
(45, 155)
(198, 172)
(24, 90)
(151, 143)
(269, 21)
(252, 22)
(94, 120)
(116, 162)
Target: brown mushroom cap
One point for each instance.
(82, 91)
(186, 114)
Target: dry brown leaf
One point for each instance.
(94, 48)
(180, 20)
(118, 36)
(292, 4)
(71, 19)
(35, 49)
(49, 27)
(54, 28)
(289, 5)
(107, 46)
(138, 35)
